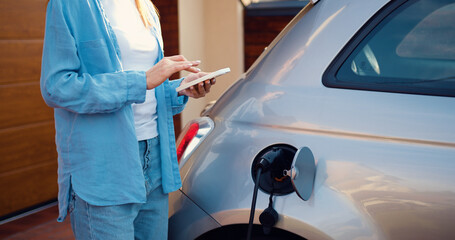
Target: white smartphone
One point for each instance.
(201, 79)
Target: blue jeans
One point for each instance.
(128, 221)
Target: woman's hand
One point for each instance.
(198, 90)
(168, 66)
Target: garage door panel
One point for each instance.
(28, 186)
(22, 19)
(26, 146)
(22, 104)
(21, 61)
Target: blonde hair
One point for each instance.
(145, 13)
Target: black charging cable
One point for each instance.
(253, 203)
(261, 166)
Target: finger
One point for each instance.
(194, 92)
(181, 58)
(196, 63)
(179, 66)
(201, 89)
(213, 80)
(193, 70)
(207, 86)
(177, 58)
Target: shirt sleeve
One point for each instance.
(62, 83)
(178, 103)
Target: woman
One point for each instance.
(104, 73)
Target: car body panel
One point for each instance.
(182, 227)
(385, 161)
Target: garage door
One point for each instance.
(28, 159)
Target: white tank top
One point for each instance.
(139, 51)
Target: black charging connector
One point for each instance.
(268, 217)
(263, 164)
(268, 158)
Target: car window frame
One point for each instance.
(330, 80)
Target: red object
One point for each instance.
(190, 133)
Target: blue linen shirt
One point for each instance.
(83, 80)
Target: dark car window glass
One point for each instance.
(411, 51)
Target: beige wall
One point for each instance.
(211, 31)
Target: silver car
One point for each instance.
(345, 124)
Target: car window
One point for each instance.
(412, 50)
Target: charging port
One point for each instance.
(272, 179)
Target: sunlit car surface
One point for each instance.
(367, 87)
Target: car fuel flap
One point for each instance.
(302, 172)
